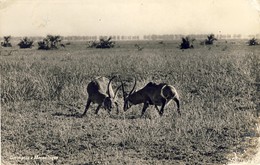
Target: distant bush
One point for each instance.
(102, 44)
(253, 42)
(186, 43)
(45, 44)
(50, 42)
(92, 44)
(6, 42)
(161, 42)
(210, 40)
(25, 43)
(140, 48)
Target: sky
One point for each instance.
(128, 17)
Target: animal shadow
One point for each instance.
(127, 117)
(73, 111)
(77, 114)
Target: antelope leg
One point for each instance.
(162, 107)
(117, 110)
(157, 109)
(86, 107)
(98, 109)
(178, 105)
(146, 104)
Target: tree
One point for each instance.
(25, 43)
(6, 42)
(186, 43)
(50, 42)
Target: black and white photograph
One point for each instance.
(130, 82)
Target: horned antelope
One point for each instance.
(152, 94)
(100, 91)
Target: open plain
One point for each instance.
(44, 92)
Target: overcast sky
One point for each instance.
(128, 17)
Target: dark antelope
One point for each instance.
(100, 91)
(152, 94)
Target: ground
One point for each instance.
(44, 92)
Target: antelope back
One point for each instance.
(102, 83)
(154, 90)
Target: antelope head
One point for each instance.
(127, 96)
(111, 100)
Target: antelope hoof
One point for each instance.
(179, 112)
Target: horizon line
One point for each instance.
(146, 36)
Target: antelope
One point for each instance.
(152, 94)
(100, 91)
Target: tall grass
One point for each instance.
(217, 90)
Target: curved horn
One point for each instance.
(117, 91)
(123, 89)
(133, 87)
(109, 85)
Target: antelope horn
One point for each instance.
(117, 90)
(109, 85)
(133, 87)
(123, 89)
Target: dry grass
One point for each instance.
(42, 93)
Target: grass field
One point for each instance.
(43, 92)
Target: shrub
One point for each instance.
(186, 43)
(139, 47)
(210, 40)
(253, 42)
(6, 42)
(50, 42)
(45, 44)
(92, 44)
(102, 44)
(25, 43)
